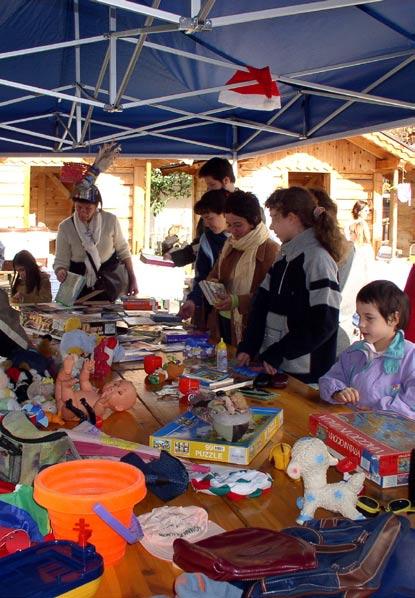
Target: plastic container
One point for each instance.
(221, 356)
(52, 569)
(102, 493)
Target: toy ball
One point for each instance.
(280, 455)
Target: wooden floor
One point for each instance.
(139, 575)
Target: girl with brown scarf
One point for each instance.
(245, 259)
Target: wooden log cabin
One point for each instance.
(366, 167)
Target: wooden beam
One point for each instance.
(368, 146)
(389, 164)
(60, 187)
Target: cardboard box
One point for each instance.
(189, 436)
(54, 323)
(386, 481)
(379, 442)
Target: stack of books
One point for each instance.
(211, 378)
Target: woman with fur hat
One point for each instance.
(91, 239)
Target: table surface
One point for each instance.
(140, 575)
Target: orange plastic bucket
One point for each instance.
(71, 491)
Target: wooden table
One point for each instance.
(140, 575)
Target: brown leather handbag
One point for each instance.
(245, 553)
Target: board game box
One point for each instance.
(192, 437)
(379, 442)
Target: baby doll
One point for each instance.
(78, 399)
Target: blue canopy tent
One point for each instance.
(76, 73)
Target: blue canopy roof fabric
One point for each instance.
(76, 73)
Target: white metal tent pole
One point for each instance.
(133, 60)
(271, 120)
(78, 108)
(17, 141)
(373, 85)
(357, 96)
(113, 58)
(285, 11)
(144, 10)
(50, 92)
(49, 47)
(96, 91)
(31, 133)
(32, 97)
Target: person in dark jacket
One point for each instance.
(211, 208)
(294, 318)
(217, 174)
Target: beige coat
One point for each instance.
(69, 247)
(265, 257)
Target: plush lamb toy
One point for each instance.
(310, 459)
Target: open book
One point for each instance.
(213, 291)
(155, 260)
(70, 289)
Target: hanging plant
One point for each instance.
(166, 187)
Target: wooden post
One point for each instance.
(147, 207)
(394, 213)
(138, 215)
(26, 196)
(377, 210)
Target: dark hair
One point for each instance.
(302, 203)
(388, 299)
(211, 201)
(245, 205)
(218, 169)
(89, 196)
(24, 259)
(358, 207)
(324, 200)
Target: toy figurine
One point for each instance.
(107, 350)
(78, 399)
(174, 369)
(310, 459)
(230, 415)
(156, 380)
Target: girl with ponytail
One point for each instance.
(295, 313)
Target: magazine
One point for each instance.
(210, 378)
(213, 291)
(70, 289)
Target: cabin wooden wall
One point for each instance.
(122, 190)
(14, 195)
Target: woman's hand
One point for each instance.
(347, 395)
(187, 309)
(61, 274)
(243, 359)
(269, 368)
(132, 285)
(224, 303)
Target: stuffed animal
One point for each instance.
(310, 460)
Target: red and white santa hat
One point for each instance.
(261, 95)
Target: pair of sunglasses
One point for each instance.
(370, 507)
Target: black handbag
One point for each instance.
(112, 277)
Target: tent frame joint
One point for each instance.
(194, 24)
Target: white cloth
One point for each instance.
(90, 235)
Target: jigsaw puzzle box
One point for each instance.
(380, 442)
(190, 436)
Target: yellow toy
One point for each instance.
(280, 456)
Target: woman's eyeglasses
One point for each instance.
(370, 507)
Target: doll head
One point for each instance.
(118, 395)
